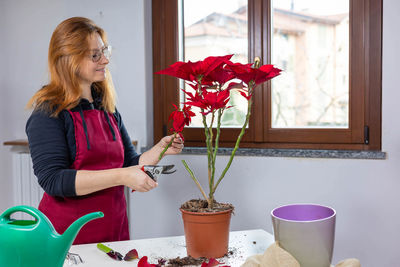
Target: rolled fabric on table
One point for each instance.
(274, 256)
(349, 263)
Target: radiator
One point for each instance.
(26, 189)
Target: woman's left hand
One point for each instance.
(176, 146)
(152, 156)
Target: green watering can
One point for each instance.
(35, 243)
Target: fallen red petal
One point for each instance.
(131, 255)
(143, 263)
(211, 262)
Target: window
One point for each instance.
(330, 94)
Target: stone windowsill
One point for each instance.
(265, 152)
(292, 153)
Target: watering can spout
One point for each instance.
(72, 231)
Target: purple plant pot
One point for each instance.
(307, 232)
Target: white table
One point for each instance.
(241, 243)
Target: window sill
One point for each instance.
(292, 153)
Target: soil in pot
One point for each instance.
(201, 205)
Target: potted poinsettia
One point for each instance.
(212, 80)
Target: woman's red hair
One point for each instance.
(68, 47)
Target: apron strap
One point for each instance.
(84, 127)
(109, 124)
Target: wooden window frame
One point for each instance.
(365, 79)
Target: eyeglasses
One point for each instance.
(96, 53)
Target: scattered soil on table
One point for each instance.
(230, 253)
(185, 261)
(161, 262)
(254, 242)
(201, 205)
(176, 262)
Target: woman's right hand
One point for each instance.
(138, 180)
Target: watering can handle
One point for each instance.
(27, 209)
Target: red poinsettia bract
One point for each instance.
(209, 101)
(220, 75)
(252, 76)
(180, 118)
(247, 74)
(195, 71)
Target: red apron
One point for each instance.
(95, 150)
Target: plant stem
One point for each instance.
(195, 180)
(209, 151)
(209, 146)
(214, 152)
(211, 160)
(214, 157)
(237, 142)
(166, 148)
(208, 141)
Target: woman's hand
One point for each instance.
(138, 180)
(176, 146)
(152, 156)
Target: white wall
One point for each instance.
(5, 158)
(363, 192)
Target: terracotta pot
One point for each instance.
(206, 234)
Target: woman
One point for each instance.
(81, 152)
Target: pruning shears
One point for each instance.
(153, 171)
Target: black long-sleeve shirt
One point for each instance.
(53, 148)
